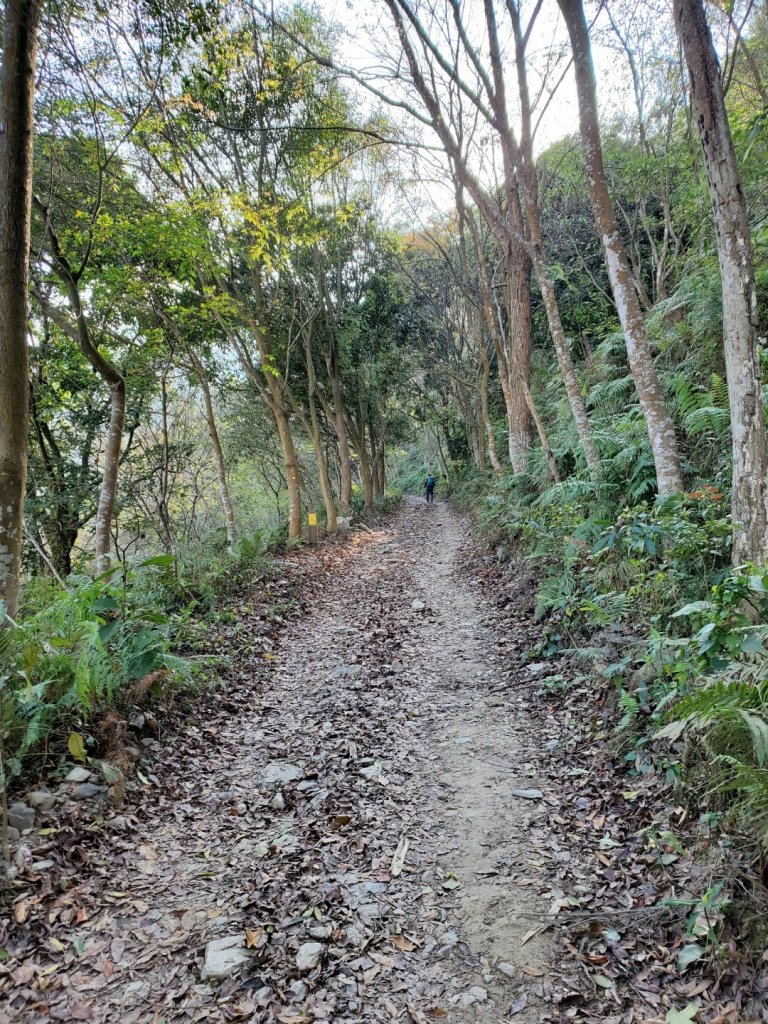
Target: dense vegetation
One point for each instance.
(228, 326)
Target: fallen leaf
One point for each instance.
(398, 860)
(684, 1016)
(76, 746)
(532, 972)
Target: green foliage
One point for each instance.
(78, 651)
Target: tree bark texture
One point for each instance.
(218, 454)
(661, 430)
(749, 492)
(340, 426)
(17, 94)
(317, 441)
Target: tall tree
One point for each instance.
(749, 493)
(17, 96)
(661, 429)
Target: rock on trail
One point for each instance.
(351, 843)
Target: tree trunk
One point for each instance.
(519, 335)
(749, 492)
(555, 324)
(291, 465)
(280, 413)
(365, 472)
(108, 491)
(661, 431)
(317, 441)
(218, 454)
(17, 93)
(485, 373)
(340, 426)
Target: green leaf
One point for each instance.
(108, 630)
(602, 981)
(157, 560)
(693, 608)
(76, 746)
(684, 1016)
(689, 955)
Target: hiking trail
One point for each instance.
(356, 834)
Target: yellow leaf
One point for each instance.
(76, 746)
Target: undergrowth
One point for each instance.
(94, 644)
(654, 583)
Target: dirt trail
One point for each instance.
(364, 824)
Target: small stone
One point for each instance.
(278, 773)
(446, 943)
(508, 970)
(21, 817)
(13, 834)
(307, 786)
(42, 800)
(22, 857)
(87, 791)
(78, 774)
(298, 991)
(418, 606)
(42, 865)
(354, 936)
(371, 771)
(132, 753)
(346, 670)
(308, 955)
(527, 794)
(223, 957)
(473, 995)
(277, 803)
(321, 931)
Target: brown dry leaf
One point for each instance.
(25, 973)
(532, 972)
(254, 937)
(403, 943)
(21, 912)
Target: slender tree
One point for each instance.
(17, 94)
(661, 430)
(749, 492)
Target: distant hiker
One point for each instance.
(429, 487)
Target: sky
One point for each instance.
(368, 33)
